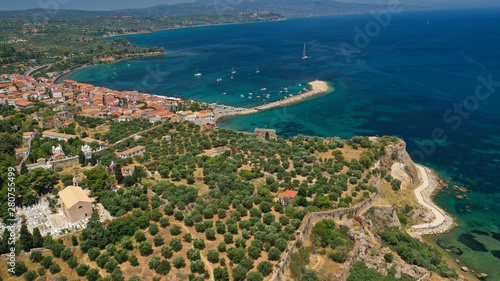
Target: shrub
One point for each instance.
(389, 257)
(36, 256)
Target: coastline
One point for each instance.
(193, 26)
(443, 222)
(89, 65)
(317, 88)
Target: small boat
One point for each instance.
(263, 89)
(224, 93)
(196, 73)
(257, 71)
(304, 56)
(250, 94)
(233, 71)
(242, 96)
(219, 79)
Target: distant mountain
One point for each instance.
(287, 8)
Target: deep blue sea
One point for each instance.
(428, 77)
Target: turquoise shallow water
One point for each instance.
(407, 80)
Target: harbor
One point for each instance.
(317, 88)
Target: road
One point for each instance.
(424, 199)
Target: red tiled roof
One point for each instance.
(288, 193)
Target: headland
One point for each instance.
(317, 88)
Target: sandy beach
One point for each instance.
(442, 222)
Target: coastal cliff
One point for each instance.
(399, 162)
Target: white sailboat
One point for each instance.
(304, 56)
(257, 71)
(233, 71)
(196, 73)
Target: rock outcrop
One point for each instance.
(399, 162)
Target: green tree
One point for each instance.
(163, 268)
(36, 256)
(389, 257)
(154, 262)
(81, 157)
(274, 254)
(239, 273)
(145, 248)
(93, 275)
(310, 275)
(54, 268)
(179, 262)
(118, 173)
(213, 256)
(255, 276)
(265, 268)
(117, 275)
(133, 260)
(221, 274)
(97, 180)
(30, 275)
(26, 239)
(82, 269)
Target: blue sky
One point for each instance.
(103, 5)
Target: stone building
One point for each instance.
(76, 205)
(265, 134)
(138, 150)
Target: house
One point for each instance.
(23, 104)
(155, 120)
(176, 118)
(124, 118)
(55, 135)
(75, 203)
(166, 138)
(88, 140)
(190, 117)
(22, 152)
(138, 150)
(29, 135)
(287, 194)
(216, 151)
(41, 163)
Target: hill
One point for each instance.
(287, 8)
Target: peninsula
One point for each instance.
(317, 88)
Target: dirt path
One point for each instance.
(319, 262)
(203, 258)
